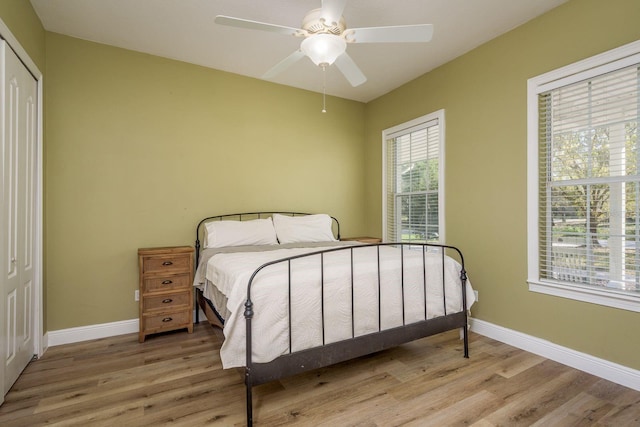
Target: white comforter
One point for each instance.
(270, 295)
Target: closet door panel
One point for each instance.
(19, 143)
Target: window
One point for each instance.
(584, 180)
(413, 183)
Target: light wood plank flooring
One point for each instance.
(177, 379)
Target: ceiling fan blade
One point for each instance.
(255, 25)
(332, 10)
(284, 64)
(397, 34)
(350, 70)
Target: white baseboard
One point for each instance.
(93, 332)
(614, 372)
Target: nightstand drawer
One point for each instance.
(167, 302)
(166, 263)
(167, 283)
(167, 321)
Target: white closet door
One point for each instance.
(18, 217)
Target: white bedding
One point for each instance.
(269, 293)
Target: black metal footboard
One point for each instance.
(327, 354)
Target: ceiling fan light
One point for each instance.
(323, 49)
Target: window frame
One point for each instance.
(606, 62)
(407, 127)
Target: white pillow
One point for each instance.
(239, 233)
(306, 228)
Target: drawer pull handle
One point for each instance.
(167, 263)
(167, 282)
(167, 301)
(167, 319)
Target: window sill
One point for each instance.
(609, 298)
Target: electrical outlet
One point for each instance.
(136, 295)
(476, 294)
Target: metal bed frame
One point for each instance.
(328, 354)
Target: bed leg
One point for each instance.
(465, 334)
(249, 403)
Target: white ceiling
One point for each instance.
(184, 30)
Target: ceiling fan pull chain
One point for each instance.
(324, 88)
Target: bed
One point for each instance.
(291, 297)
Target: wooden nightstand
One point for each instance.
(166, 289)
(362, 239)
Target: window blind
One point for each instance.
(413, 183)
(589, 182)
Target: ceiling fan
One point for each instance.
(325, 38)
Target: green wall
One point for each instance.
(25, 26)
(484, 94)
(140, 148)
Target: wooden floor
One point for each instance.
(177, 379)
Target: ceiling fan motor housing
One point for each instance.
(314, 23)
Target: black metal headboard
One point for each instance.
(245, 216)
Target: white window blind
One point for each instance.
(413, 180)
(588, 181)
